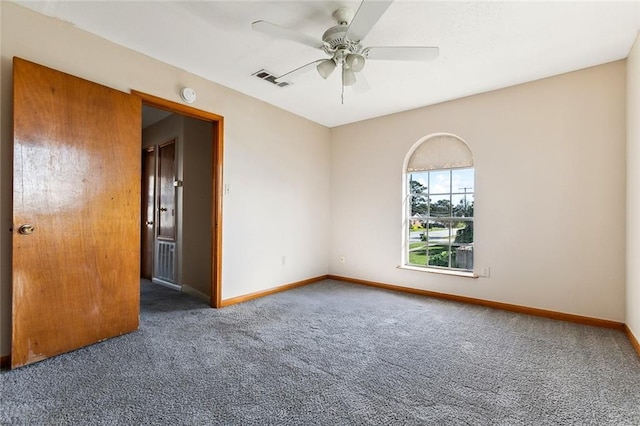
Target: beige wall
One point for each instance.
(277, 164)
(164, 130)
(550, 193)
(196, 205)
(633, 190)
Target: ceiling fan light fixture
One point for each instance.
(348, 77)
(355, 61)
(326, 67)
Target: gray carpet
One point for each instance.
(333, 354)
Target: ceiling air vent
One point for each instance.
(267, 76)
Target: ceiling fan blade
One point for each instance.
(366, 17)
(286, 34)
(402, 53)
(291, 75)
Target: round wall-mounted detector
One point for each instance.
(188, 95)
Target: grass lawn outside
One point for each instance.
(418, 254)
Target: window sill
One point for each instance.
(439, 271)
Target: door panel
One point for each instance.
(148, 212)
(77, 182)
(166, 191)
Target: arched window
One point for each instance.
(439, 184)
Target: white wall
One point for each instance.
(550, 193)
(279, 171)
(276, 163)
(633, 190)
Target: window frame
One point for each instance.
(450, 219)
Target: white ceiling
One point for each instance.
(483, 46)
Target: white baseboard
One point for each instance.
(193, 292)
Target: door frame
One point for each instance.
(217, 122)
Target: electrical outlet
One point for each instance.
(284, 260)
(485, 271)
(343, 259)
(227, 188)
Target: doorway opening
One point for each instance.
(181, 203)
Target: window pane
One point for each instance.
(462, 181)
(418, 254)
(419, 205)
(417, 230)
(417, 244)
(440, 206)
(462, 205)
(439, 232)
(439, 255)
(462, 257)
(418, 182)
(462, 232)
(439, 239)
(462, 251)
(440, 182)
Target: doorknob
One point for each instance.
(163, 209)
(26, 229)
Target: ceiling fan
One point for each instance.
(343, 44)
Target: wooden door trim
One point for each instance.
(217, 164)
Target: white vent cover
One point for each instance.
(267, 76)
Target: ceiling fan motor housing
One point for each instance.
(334, 36)
(335, 40)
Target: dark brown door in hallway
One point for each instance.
(167, 191)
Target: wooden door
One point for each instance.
(148, 212)
(76, 213)
(167, 191)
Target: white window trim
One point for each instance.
(441, 271)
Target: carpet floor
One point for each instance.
(333, 353)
